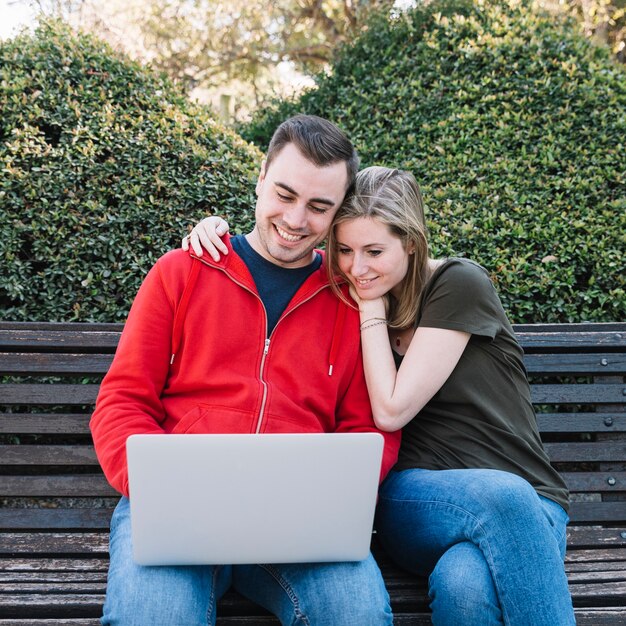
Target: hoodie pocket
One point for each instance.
(215, 419)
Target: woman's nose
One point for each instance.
(359, 266)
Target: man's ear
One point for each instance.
(261, 177)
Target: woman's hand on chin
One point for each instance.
(207, 235)
(377, 307)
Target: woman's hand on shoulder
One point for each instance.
(207, 235)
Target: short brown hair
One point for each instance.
(319, 140)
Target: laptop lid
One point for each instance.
(271, 498)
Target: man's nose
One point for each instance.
(296, 216)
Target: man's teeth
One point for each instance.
(287, 236)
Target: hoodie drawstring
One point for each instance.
(337, 334)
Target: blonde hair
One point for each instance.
(393, 198)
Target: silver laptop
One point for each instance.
(232, 499)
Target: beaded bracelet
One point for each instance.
(371, 319)
(373, 324)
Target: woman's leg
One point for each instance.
(318, 594)
(161, 596)
(422, 514)
(461, 589)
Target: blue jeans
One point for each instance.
(314, 594)
(492, 547)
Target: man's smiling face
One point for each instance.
(296, 202)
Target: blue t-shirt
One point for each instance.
(276, 284)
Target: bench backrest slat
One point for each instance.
(48, 455)
(52, 364)
(42, 394)
(577, 383)
(45, 423)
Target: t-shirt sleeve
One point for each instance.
(462, 297)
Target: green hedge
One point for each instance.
(103, 165)
(515, 127)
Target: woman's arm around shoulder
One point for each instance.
(206, 235)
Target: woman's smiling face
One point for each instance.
(372, 258)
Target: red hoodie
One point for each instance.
(194, 358)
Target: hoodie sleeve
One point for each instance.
(354, 414)
(129, 398)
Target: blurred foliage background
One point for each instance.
(102, 165)
(515, 127)
(511, 117)
(237, 54)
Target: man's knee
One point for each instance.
(164, 596)
(360, 599)
(342, 594)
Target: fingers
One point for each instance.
(194, 241)
(207, 236)
(214, 229)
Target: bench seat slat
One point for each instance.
(615, 590)
(592, 555)
(58, 621)
(614, 575)
(595, 568)
(590, 536)
(94, 563)
(55, 577)
(241, 620)
(76, 485)
(54, 543)
(55, 587)
(60, 519)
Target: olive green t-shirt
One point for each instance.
(482, 417)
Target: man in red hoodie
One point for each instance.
(254, 343)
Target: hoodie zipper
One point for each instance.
(264, 400)
(266, 346)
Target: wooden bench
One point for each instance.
(55, 504)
